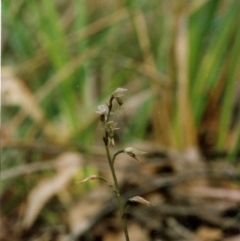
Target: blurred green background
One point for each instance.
(179, 60)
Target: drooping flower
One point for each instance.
(119, 92)
(133, 152)
(102, 109)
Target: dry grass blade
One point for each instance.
(46, 189)
(16, 93)
(216, 193)
(64, 72)
(181, 230)
(196, 5)
(98, 25)
(82, 214)
(186, 131)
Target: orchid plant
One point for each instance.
(110, 126)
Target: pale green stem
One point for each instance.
(120, 203)
(111, 164)
(115, 155)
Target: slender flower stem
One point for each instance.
(120, 202)
(115, 155)
(108, 138)
(110, 108)
(111, 165)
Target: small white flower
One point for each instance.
(133, 152)
(111, 125)
(102, 109)
(119, 92)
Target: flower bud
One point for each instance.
(119, 101)
(141, 200)
(93, 177)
